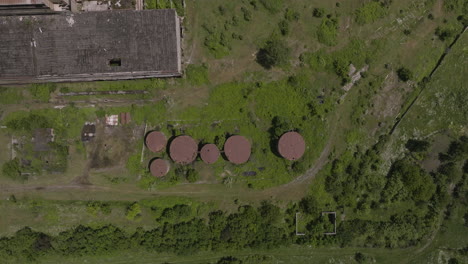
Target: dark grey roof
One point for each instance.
(79, 47)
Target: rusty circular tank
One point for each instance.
(237, 149)
(209, 153)
(159, 167)
(291, 145)
(183, 149)
(155, 141)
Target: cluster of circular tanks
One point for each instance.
(184, 150)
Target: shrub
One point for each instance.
(12, 170)
(446, 33)
(459, 6)
(404, 74)
(327, 31)
(414, 145)
(318, 12)
(291, 15)
(370, 12)
(247, 14)
(192, 175)
(273, 6)
(197, 74)
(133, 212)
(42, 92)
(284, 27)
(274, 53)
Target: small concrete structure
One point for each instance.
(88, 131)
(112, 120)
(237, 149)
(42, 138)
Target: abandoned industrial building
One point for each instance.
(89, 46)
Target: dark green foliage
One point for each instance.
(94, 207)
(254, 4)
(216, 41)
(192, 175)
(12, 170)
(25, 246)
(229, 260)
(408, 181)
(133, 212)
(86, 241)
(446, 32)
(100, 113)
(407, 32)
(415, 145)
(273, 6)
(457, 6)
(327, 31)
(458, 150)
(404, 74)
(309, 205)
(197, 74)
(42, 92)
(359, 257)
(279, 126)
(176, 213)
(222, 10)
(247, 14)
(291, 15)
(29, 122)
(318, 12)
(275, 52)
(284, 27)
(370, 12)
(453, 261)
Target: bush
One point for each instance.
(28, 123)
(446, 33)
(133, 212)
(284, 27)
(291, 15)
(415, 145)
(318, 12)
(273, 6)
(12, 170)
(370, 12)
(247, 14)
(197, 74)
(274, 53)
(327, 31)
(42, 92)
(133, 164)
(192, 175)
(404, 74)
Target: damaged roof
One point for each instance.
(89, 46)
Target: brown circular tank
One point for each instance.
(159, 167)
(183, 149)
(237, 149)
(155, 141)
(209, 153)
(291, 146)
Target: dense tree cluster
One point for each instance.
(248, 228)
